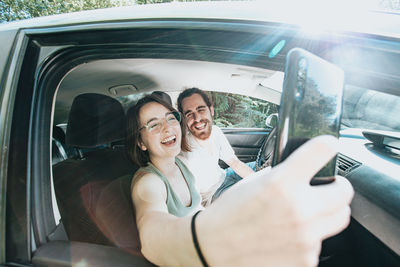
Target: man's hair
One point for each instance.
(133, 137)
(191, 91)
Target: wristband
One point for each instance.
(196, 242)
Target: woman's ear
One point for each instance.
(142, 146)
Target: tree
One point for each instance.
(390, 4)
(233, 110)
(23, 9)
(142, 2)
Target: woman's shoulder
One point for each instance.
(148, 186)
(143, 178)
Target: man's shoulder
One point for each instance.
(216, 131)
(191, 140)
(216, 128)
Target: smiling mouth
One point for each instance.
(200, 126)
(169, 140)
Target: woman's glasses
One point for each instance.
(155, 125)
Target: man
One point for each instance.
(209, 145)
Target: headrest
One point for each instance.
(95, 120)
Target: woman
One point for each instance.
(273, 219)
(154, 139)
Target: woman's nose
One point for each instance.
(165, 125)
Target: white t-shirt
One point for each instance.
(202, 161)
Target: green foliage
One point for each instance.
(238, 111)
(23, 9)
(143, 2)
(389, 4)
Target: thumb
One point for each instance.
(309, 158)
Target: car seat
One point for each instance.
(58, 146)
(60, 150)
(114, 212)
(95, 122)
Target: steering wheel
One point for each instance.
(264, 156)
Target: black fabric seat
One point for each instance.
(58, 146)
(95, 122)
(60, 150)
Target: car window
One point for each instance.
(368, 109)
(239, 111)
(230, 110)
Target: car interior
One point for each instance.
(76, 83)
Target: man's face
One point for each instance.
(198, 116)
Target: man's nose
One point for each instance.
(196, 116)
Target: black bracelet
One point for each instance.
(196, 242)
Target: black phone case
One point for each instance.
(311, 104)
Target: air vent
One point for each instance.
(345, 164)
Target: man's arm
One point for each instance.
(227, 154)
(239, 167)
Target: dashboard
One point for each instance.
(373, 173)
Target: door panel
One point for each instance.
(246, 141)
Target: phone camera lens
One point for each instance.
(302, 64)
(301, 75)
(300, 91)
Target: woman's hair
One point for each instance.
(133, 137)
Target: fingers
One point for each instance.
(333, 196)
(334, 206)
(330, 210)
(309, 158)
(319, 201)
(331, 224)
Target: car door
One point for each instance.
(13, 216)
(246, 142)
(243, 121)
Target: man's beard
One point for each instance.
(203, 134)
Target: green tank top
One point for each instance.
(175, 206)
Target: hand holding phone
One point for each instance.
(311, 105)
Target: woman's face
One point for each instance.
(160, 131)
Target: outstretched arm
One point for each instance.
(277, 220)
(166, 239)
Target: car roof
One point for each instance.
(328, 16)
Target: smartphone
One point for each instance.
(311, 105)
